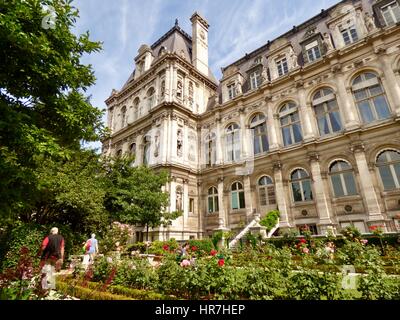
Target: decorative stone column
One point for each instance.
(304, 107)
(218, 143)
(346, 102)
(221, 208)
(165, 135)
(323, 206)
(390, 84)
(281, 199)
(367, 187)
(244, 150)
(185, 201)
(271, 126)
(247, 198)
(139, 150)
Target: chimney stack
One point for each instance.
(200, 43)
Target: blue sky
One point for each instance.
(236, 27)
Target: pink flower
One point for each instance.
(165, 247)
(221, 262)
(213, 252)
(185, 263)
(364, 241)
(305, 250)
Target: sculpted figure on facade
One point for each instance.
(293, 59)
(157, 143)
(328, 42)
(179, 143)
(369, 22)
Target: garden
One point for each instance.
(289, 267)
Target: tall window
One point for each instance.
(132, 149)
(327, 112)
(255, 80)
(370, 97)
(290, 124)
(162, 88)
(231, 91)
(342, 179)
(282, 67)
(136, 103)
(391, 13)
(146, 150)
(210, 149)
(123, 117)
(259, 129)
(388, 164)
(301, 186)
(237, 196)
(349, 34)
(232, 142)
(212, 200)
(313, 52)
(150, 98)
(266, 191)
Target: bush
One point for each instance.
(203, 247)
(270, 220)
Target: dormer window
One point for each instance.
(313, 52)
(257, 60)
(231, 91)
(282, 67)
(255, 79)
(349, 34)
(391, 13)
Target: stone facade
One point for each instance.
(307, 124)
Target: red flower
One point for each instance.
(221, 262)
(165, 247)
(372, 228)
(213, 252)
(194, 248)
(302, 240)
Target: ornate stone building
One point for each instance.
(308, 124)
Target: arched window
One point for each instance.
(290, 124)
(146, 150)
(326, 111)
(212, 200)
(123, 116)
(260, 138)
(162, 51)
(388, 164)
(266, 191)
(232, 142)
(210, 149)
(237, 196)
(136, 103)
(301, 186)
(150, 98)
(370, 97)
(132, 149)
(342, 178)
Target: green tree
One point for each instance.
(135, 195)
(44, 113)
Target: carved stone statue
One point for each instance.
(179, 143)
(369, 22)
(178, 200)
(328, 42)
(238, 89)
(293, 59)
(157, 144)
(264, 75)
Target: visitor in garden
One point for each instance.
(330, 249)
(93, 247)
(52, 256)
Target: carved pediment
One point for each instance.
(341, 10)
(278, 43)
(310, 32)
(230, 71)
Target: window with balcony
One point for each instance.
(237, 196)
(290, 124)
(370, 97)
(231, 91)
(342, 179)
(391, 13)
(388, 163)
(301, 186)
(326, 111)
(259, 129)
(266, 191)
(212, 200)
(349, 34)
(282, 67)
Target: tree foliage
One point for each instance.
(44, 114)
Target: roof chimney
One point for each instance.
(200, 43)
